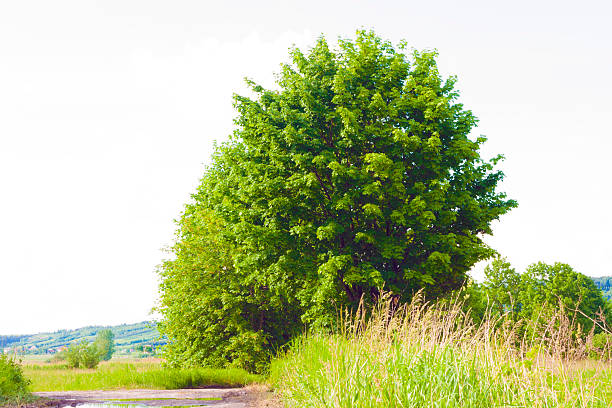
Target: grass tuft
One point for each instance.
(435, 356)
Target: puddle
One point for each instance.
(156, 402)
(109, 405)
(111, 400)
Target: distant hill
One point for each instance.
(134, 340)
(605, 284)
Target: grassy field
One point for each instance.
(131, 374)
(417, 356)
(437, 358)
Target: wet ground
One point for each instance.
(206, 397)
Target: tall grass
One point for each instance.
(133, 374)
(435, 356)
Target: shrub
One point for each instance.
(13, 385)
(82, 355)
(602, 346)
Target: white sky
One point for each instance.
(108, 111)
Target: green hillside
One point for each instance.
(605, 284)
(134, 340)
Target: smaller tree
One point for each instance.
(90, 356)
(542, 290)
(71, 355)
(502, 286)
(105, 344)
(82, 354)
(559, 285)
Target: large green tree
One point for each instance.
(356, 173)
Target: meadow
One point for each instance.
(131, 374)
(437, 357)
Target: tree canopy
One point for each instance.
(358, 172)
(105, 343)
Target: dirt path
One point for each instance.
(205, 397)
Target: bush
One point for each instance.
(82, 355)
(13, 385)
(602, 346)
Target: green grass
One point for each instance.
(429, 358)
(135, 374)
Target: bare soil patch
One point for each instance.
(252, 396)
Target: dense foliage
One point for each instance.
(88, 355)
(81, 355)
(357, 173)
(14, 387)
(105, 344)
(543, 290)
(601, 346)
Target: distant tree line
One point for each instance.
(44, 343)
(9, 340)
(605, 284)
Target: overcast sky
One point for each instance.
(109, 111)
